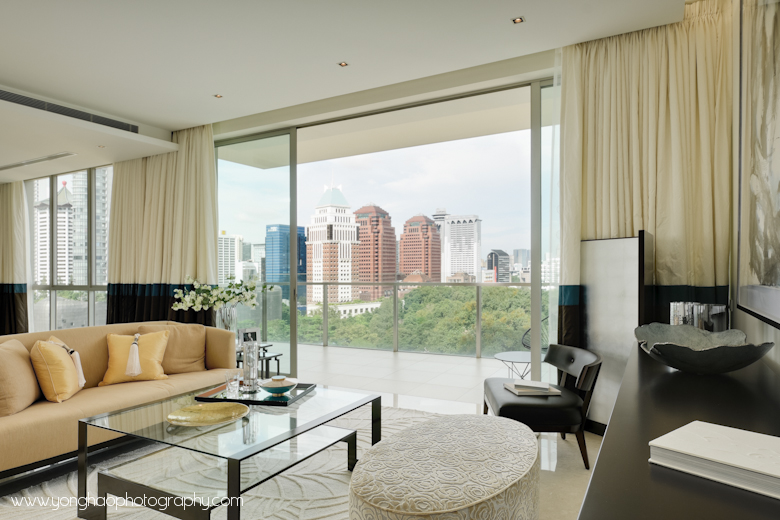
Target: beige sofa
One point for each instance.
(48, 430)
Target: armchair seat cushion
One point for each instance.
(554, 413)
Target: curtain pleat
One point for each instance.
(646, 145)
(14, 267)
(163, 229)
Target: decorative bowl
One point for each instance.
(278, 385)
(699, 351)
(207, 414)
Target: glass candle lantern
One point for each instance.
(251, 365)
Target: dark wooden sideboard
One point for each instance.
(654, 400)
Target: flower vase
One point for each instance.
(226, 319)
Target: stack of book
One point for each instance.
(739, 458)
(522, 387)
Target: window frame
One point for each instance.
(91, 288)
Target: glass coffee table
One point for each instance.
(198, 469)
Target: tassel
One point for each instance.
(134, 360)
(77, 361)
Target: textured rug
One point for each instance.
(315, 489)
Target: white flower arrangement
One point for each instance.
(202, 297)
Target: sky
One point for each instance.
(488, 176)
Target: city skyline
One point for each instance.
(405, 182)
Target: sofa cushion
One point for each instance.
(18, 384)
(89, 342)
(186, 351)
(56, 373)
(151, 350)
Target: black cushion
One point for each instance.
(540, 413)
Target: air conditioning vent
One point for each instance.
(37, 160)
(66, 111)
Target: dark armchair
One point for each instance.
(577, 373)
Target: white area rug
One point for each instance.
(315, 489)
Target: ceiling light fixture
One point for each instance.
(218, 96)
(519, 19)
(37, 160)
(101, 146)
(343, 64)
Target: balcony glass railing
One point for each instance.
(472, 319)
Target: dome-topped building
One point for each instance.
(332, 248)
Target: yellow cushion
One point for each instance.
(55, 370)
(18, 385)
(151, 350)
(186, 351)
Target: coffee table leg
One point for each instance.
(234, 489)
(82, 471)
(352, 451)
(376, 420)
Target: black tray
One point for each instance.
(217, 395)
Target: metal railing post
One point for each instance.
(395, 317)
(324, 315)
(478, 330)
(265, 316)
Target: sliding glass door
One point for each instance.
(426, 229)
(258, 236)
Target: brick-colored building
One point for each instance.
(421, 247)
(376, 251)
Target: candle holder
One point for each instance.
(251, 365)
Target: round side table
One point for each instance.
(510, 359)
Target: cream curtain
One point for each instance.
(163, 227)
(646, 144)
(14, 249)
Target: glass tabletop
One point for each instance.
(269, 425)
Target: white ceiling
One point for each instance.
(29, 133)
(495, 113)
(160, 62)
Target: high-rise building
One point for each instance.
(104, 178)
(461, 244)
(332, 248)
(258, 252)
(551, 270)
(499, 263)
(521, 257)
(421, 247)
(376, 252)
(66, 231)
(229, 248)
(277, 251)
(246, 252)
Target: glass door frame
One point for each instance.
(292, 132)
(536, 207)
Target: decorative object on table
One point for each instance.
(252, 334)
(208, 414)
(705, 316)
(233, 382)
(458, 466)
(758, 268)
(739, 458)
(522, 387)
(219, 395)
(690, 349)
(251, 366)
(223, 300)
(278, 385)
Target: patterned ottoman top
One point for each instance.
(445, 464)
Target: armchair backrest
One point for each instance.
(583, 365)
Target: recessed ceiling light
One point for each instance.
(101, 146)
(217, 96)
(519, 19)
(343, 64)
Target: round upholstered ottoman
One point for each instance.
(459, 467)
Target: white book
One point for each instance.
(739, 458)
(522, 383)
(531, 391)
